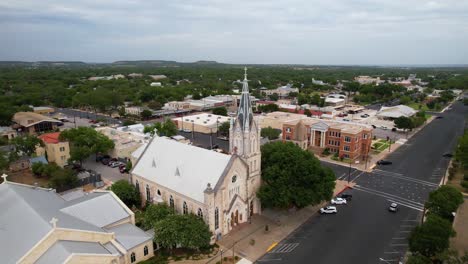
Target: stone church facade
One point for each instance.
(217, 187)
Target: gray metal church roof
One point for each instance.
(129, 235)
(61, 250)
(27, 211)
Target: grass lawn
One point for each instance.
(380, 145)
(415, 106)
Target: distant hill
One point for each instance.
(42, 63)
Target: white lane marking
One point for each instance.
(393, 198)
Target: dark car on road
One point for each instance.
(447, 155)
(346, 196)
(384, 162)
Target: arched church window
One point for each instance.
(185, 208)
(216, 218)
(137, 185)
(148, 193)
(171, 202)
(200, 213)
(159, 192)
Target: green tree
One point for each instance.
(418, 259)
(432, 237)
(270, 133)
(63, 179)
(404, 122)
(293, 177)
(444, 201)
(268, 108)
(167, 128)
(127, 193)
(188, 231)
(224, 129)
(86, 141)
(145, 114)
(461, 153)
(4, 161)
(154, 213)
(308, 113)
(220, 111)
(274, 97)
(26, 144)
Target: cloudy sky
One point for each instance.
(237, 31)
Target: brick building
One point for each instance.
(351, 141)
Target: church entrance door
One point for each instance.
(237, 217)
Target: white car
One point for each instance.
(338, 201)
(328, 210)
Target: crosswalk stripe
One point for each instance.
(285, 248)
(400, 176)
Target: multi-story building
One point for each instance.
(282, 91)
(352, 141)
(125, 142)
(57, 151)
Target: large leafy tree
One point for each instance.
(444, 201)
(293, 177)
(223, 129)
(461, 153)
(127, 193)
(188, 231)
(167, 128)
(86, 141)
(154, 213)
(270, 133)
(404, 122)
(220, 111)
(432, 237)
(27, 144)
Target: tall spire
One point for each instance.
(245, 113)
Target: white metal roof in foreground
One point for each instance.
(183, 168)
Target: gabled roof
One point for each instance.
(27, 211)
(50, 138)
(129, 236)
(196, 167)
(28, 119)
(62, 249)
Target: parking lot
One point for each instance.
(107, 173)
(383, 128)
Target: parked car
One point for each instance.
(223, 138)
(383, 127)
(373, 126)
(384, 162)
(187, 130)
(345, 119)
(393, 207)
(116, 164)
(105, 161)
(328, 210)
(99, 157)
(364, 115)
(346, 196)
(439, 117)
(338, 201)
(447, 155)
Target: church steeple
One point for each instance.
(244, 112)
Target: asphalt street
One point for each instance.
(364, 231)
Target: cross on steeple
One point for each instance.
(4, 176)
(54, 222)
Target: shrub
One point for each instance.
(326, 152)
(464, 184)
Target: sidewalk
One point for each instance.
(371, 162)
(251, 241)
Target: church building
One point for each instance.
(220, 188)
